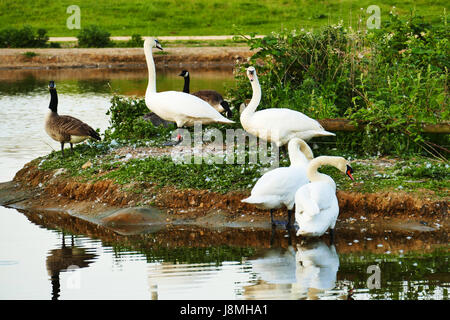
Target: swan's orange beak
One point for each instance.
(349, 172)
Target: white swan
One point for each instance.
(179, 107)
(277, 187)
(304, 273)
(278, 125)
(316, 204)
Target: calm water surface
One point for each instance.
(82, 93)
(49, 255)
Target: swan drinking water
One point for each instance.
(278, 125)
(277, 187)
(179, 107)
(316, 204)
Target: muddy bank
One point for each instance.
(197, 57)
(134, 207)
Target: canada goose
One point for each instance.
(65, 129)
(212, 97)
(182, 108)
(276, 188)
(316, 204)
(155, 120)
(278, 125)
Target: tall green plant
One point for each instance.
(388, 81)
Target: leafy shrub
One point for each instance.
(94, 37)
(30, 54)
(136, 41)
(390, 80)
(26, 37)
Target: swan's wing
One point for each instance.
(305, 202)
(179, 104)
(285, 120)
(282, 182)
(323, 194)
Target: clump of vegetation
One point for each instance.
(26, 37)
(30, 54)
(136, 41)
(93, 36)
(389, 81)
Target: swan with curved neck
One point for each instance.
(179, 107)
(276, 188)
(278, 125)
(316, 204)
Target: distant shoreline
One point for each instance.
(50, 58)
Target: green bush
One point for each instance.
(26, 37)
(391, 80)
(136, 41)
(94, 37)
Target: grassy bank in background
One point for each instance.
(203, 17)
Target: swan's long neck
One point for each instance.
(151, 88)
(53, 106)
(254, 102)
(299, 152)
(314, 175)
(186, 84)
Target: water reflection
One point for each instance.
(66, 259)
(303, 272)
(132, 82)
(188, 262)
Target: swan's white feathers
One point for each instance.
(183, 107)
(179, 107)
(278, 125)
(277, 188)
(285, 124)
(316, 208)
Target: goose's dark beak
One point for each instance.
(51, 85)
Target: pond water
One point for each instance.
(82, 93)
(49, 255)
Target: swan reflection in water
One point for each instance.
(301, 273)
(65, 259)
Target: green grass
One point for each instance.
(411, 175)
(202, 17)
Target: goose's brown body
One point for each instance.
(63, 128)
